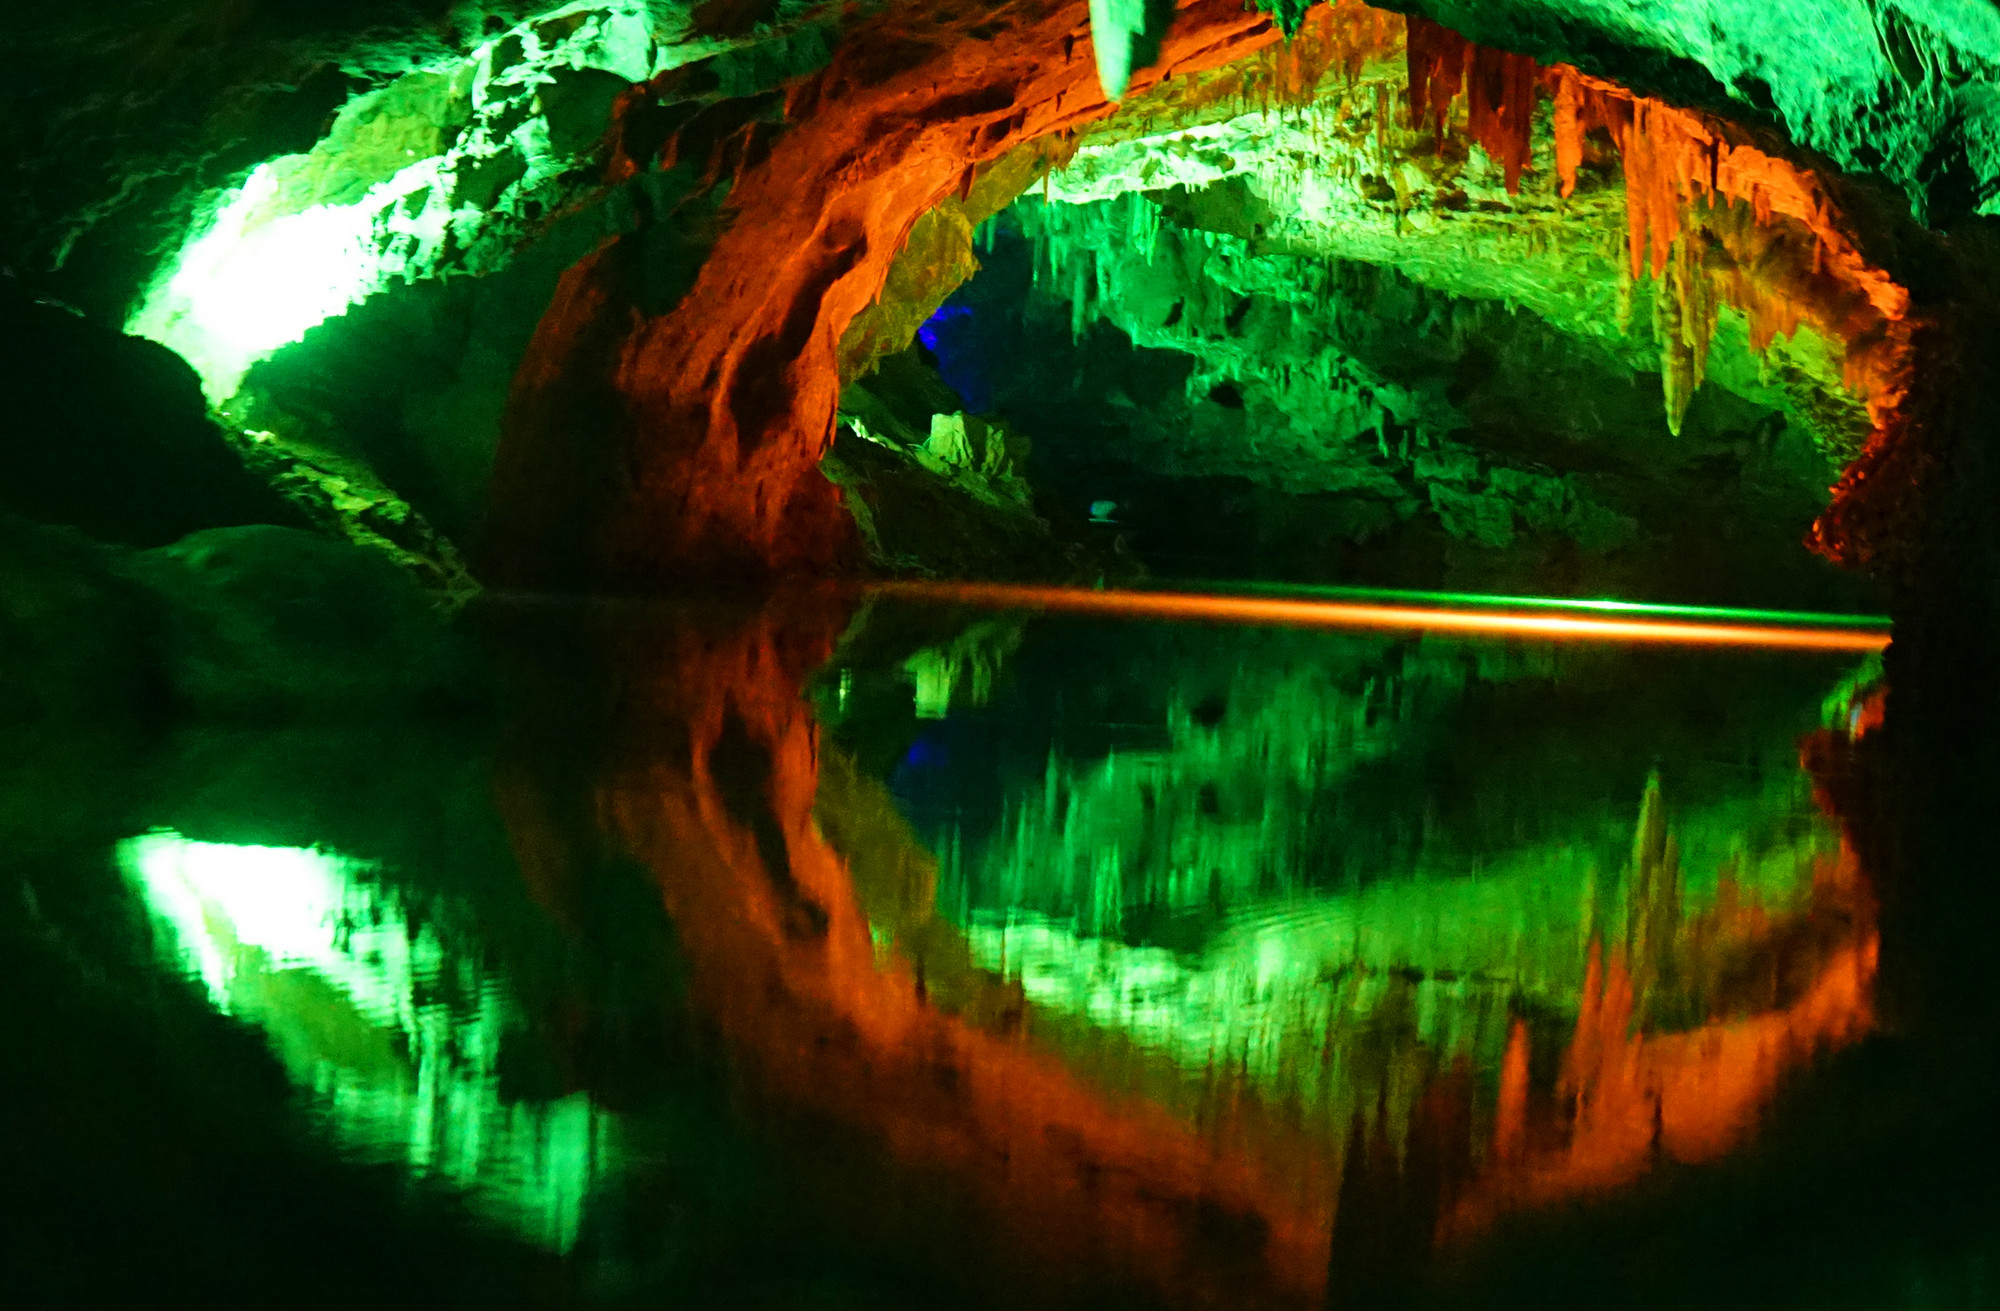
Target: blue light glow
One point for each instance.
(928, 333)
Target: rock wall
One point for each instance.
(717, 411)
(1903, 89)
(743, 212)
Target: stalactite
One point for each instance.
(1436, 58)
(1676, 162)
(1343, 35)
(821, 214)
(1674, 158)
(1500, 108)
(1684, 318)
(1568, 128)
(1499, 93)
(1384, 144)
(1144, 225)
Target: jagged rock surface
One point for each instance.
(1905, 89)
(451, 150)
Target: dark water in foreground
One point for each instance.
(967, 959)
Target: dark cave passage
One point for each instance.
(1372, 431)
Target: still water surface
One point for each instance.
(939, 957)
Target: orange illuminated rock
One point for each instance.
(712, 785)
(715, 413)
(1499, 91)
(1688, 1097)
(642, 445)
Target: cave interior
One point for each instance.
(923, 653)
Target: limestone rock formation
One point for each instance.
(568, 296)
(109, 434)
(234, 623)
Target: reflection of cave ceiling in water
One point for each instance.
(395, 1035)
(1343, 878)
(1171, 965)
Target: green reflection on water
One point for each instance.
(395, 1035)
(1332, 865)
(1300, 991)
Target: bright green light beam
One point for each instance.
(1725, 614)
(1324, 612)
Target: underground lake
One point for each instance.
(1001, 653)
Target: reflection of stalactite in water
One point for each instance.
(1652, 897)
(1683, 1024)
(1085, 1147)
(1625, 1097)
(1624, 1094)
(1392, 1192)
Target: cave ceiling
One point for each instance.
(486, 229)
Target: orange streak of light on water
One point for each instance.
(1309, 613)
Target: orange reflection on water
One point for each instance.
(713, 787)
(1780, 990)
(1689, 1097)
(807, 912)
(1299, 612)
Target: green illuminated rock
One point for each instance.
(1125, 37)
(1905, 89)
(1372, 334)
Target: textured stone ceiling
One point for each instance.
(1908, 89)
(745, 201)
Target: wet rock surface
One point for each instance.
(232, 622)
(109, 434)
